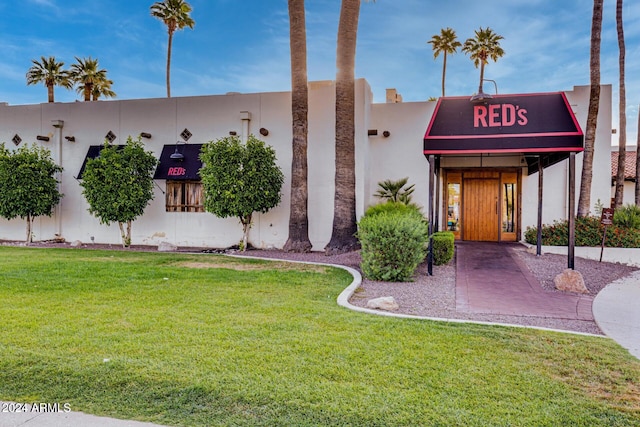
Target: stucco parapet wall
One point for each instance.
(629, 256)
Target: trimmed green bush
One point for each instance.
(443, 246)
(393, 243)
(588, 233)
(395, 208)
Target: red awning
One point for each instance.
(529, 123)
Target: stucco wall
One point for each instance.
(210, 117)
(555, 177)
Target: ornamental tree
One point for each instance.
(118, 184)
(240, 179)
(28, 184)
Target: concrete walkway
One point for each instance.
(617, 312)
(492, 280)
(12, 415)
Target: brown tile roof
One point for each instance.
(629, 165)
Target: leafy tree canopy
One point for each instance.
(118, 184)
(28, 185)
(239, 179)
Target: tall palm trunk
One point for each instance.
(584, 200)
(50, 92)
(298, 240)
(344, 214)
(88, 88)
(444, 71)
(622, 138)
(169, 44)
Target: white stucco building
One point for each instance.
(389, 145)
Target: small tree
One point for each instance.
(28, 186)
(118, 184)
(240, 179)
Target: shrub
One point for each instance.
(588, 233)
(393, 244)
(443, 246)
(395, 208)
(627, 216)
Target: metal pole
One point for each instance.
(437, 207)
(571, 213)
(540, 192)
(430, 209)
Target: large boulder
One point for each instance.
(383, 303)
(570, 281)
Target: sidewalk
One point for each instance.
(617, 312)
(11, 418)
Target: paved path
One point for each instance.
(16, 416)
(617, 312)
(492, 280)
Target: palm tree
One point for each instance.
(102, 88)
(395, 191)
(86, 74)
(622, 138)
(175, 15)
(592, 115)
(446, 43)
(344, 208)
(298, 240)
(50, 72)
(484, 46)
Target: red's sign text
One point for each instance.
(495, 115)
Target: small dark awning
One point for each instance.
(185, 169)
(92, 153)
(540, 124)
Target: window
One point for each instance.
(184, 196)
(508, 207)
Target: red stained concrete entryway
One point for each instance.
(490, 279)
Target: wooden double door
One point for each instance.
(483, 205)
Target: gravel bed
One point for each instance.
(435, 296)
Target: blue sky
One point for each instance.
(243, 46)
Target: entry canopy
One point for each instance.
(183, 169)
(540, 124)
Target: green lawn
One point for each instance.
(204, 340)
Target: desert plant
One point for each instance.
(395, 191)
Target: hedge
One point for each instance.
(588, 232)
(394, 242)
(443, 247)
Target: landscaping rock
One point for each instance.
(570, 281)
(76, 244)
(167, 247)
(383, 303)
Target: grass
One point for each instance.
(204, 340)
